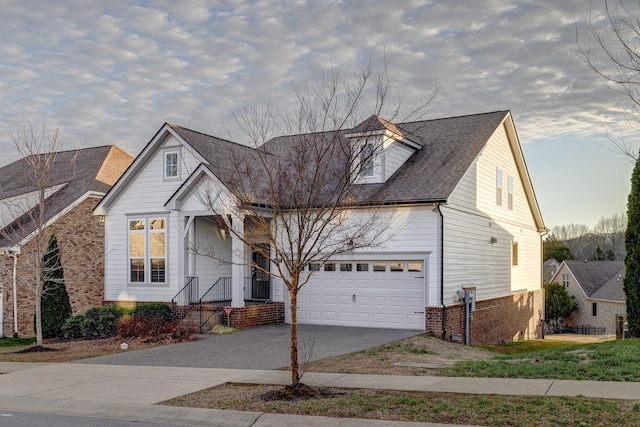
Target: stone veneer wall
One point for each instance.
(81, 240)
(512, 318)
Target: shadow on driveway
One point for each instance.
(264, 347)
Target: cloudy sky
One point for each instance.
(112, 72)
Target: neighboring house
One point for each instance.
(598, 289)
(459, 185)
(549, 268)
(79, 179)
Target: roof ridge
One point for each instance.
(454, 117)
(173, 125)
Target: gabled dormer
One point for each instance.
(380, 148)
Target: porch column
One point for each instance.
(238, 262)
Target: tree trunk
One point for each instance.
(39, 340)
(295, 370)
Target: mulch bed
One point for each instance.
(295, 392)
(36, 349)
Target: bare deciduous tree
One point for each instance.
(576, 237)
(610, 231)
(612, 53)
(25, 213)
(604, 241)
(296, 194)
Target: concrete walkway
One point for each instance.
(133, 392)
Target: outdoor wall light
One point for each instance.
(493, 240)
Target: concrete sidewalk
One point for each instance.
(132, 392)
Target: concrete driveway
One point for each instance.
(264, 347)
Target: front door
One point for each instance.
(260, 289)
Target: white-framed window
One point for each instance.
(366, 160)
(147, 250)
(594, 309)
(514, 254)
(510, 192)
(498, 187)
(565, 280)
(171, 164)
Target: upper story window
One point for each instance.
(565, 280)
(366, 161)
(510, 192)
(171, 164)
(514, 254)
(499, 187)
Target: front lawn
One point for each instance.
(444, 408)
(16, 342)
(604, 361)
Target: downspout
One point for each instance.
(14, 255)
(441, 253)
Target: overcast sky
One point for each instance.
(112, 72)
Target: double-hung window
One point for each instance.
(147, 250)
(499, 187)
(366, 161)
(565, 280)
(171, 163)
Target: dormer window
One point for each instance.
(380, 149)
(171, 164)
(366, 161)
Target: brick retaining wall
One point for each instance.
(507, 319)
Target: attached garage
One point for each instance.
(366, 293)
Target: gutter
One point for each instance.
(444, 307)
(14, 254)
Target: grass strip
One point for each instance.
(447, 408)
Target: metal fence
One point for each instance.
(584, 330)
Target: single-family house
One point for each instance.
(598, 289)
(549, 268)
(471, 227)
(78, 180)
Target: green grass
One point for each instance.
(16, 342)
(527, 346)
(445, 408)
(606, 361)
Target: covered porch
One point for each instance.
(220, 269)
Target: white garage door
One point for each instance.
(374, 294)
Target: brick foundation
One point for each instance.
(507, 319)
(256, 315)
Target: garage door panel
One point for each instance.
(385, 299)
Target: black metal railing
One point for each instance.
(257, 290)
(218, 295)
(584, 330)
(186, 299)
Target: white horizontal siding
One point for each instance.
(476, 191)
(411, 230)
(213, 248)
(395, 154)
(473, 217)
(145, 195)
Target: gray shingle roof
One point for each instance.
(450, 145)
(599, 279)
(76, 171)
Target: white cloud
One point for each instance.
(113, 72)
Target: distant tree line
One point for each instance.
(605, 241)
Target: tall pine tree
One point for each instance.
(632, 259)
(56, 308)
